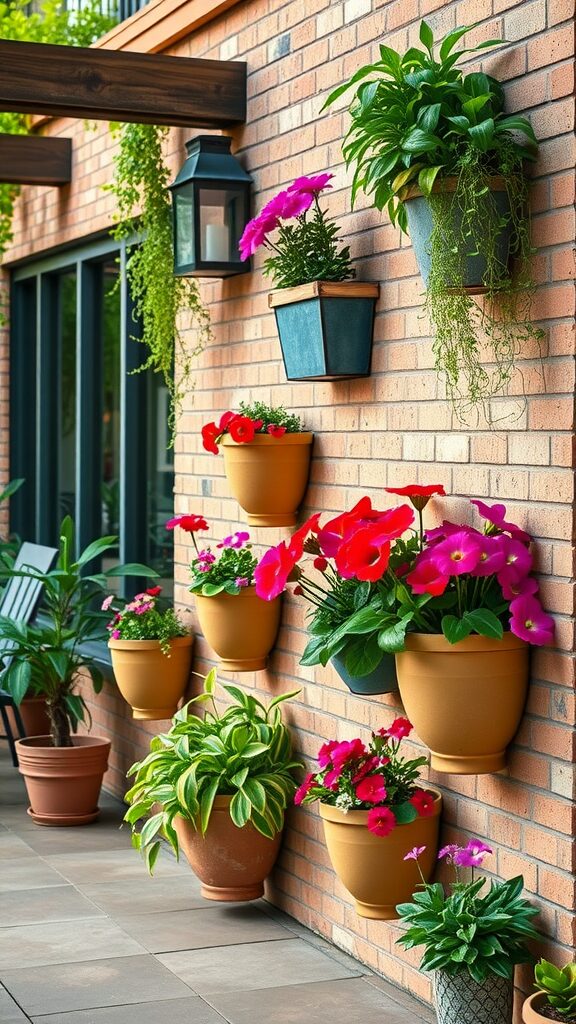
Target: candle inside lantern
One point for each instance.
(216, 243)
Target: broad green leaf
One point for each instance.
(207, 802)
(427, 37)
(485, 623)
(429, 116)
(362, 656)
(151, 856)
(132, 569)
(482, 134)
(427, 177)
(17, 680)
(419, 141)
(405, 813)
(97, 547)
(240, 809)
(210, 681)
(521, 124)
(455, 629)
(450, 40)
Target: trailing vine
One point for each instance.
(141, 187)
(468, 222)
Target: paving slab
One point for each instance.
(49, 842)
(114, 982)
(10, 1012)
(148, 895)
(40, 906)
(12, 847)
(198, 929)
(28, 873)
(254, 965)
(184, 1011)
(60, 943)
(80, 868)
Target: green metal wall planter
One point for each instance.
(326, 329)
(381, 680)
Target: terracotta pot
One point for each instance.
(240, 628)
(461, 1000)
(34, 717)
(230, 862)
(531, 1009)
(372, 867)
(465, 700)
(151, 682)
(268, 476)
(63, 783)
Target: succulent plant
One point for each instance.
(559, 985)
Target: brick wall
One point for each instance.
(393, 428)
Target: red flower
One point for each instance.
(303, 790)
(154, 591)
(210, 433)
(320, 563)
(296, 542)
(423, 802)
(426, 578)
(347, 750)
(325, 753)
(381, 821)
(225, 420)
(333, 532)
(372, 790)
(275, 431)
(188, 522)
(365, 555)
(419, 496)
(298, 591)
(400, 728)
(242, 429)
(272, 572)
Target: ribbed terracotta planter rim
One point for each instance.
(531, 1007)
(267, 441)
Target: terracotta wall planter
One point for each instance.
(240, 628)
(63, 783)
(461, 1000)
(149, 681)
(465, 700)
(532, 1006)
(372, 867)
(230, 862)
(268, 476)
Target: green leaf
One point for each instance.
(482, 134)
(392, 639)
(427, 177)
(96, 548)
(17, 680)
(362, 656)
(210, 681)
(151, 856)
(211, 589)
(429, 116)
(207, 802)
(132, 569)
(455, 629)
(513, 123)
(485, 623)
(240, 809)
(405, 813)
(427, 37)
(450, 40)
(419, 141)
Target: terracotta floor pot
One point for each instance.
(464, 700)
(230, 862)
(63, 783)
(149, 681)
(372, 867)
(240, 628)
(268, 476)
(34, 717)
(531, 1009)
(461, 1000)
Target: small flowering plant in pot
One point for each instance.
(151, 652)
(266, 460)
(372, 806)
(555, 998)
(238, 625)
(472, 938)
(324, 319)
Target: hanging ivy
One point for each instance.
(141, 186)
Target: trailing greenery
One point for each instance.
(50, 22)
(559, 986)
(141, 187)
(416, 121)
(244, 752)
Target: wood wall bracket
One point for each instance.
(35, 160)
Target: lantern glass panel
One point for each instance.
(184, 221)
(222, 221)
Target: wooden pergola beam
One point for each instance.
(35, 160)
(117, 85)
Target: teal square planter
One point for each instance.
(326, 329)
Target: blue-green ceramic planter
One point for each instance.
(381, 680)
(474, 268)
(325, 329)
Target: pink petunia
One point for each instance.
(295, 204)
(272, 572)
(458, 554)
(492, 555)
(521, 588)
(107, 602)
(517, 561)
(530, 622)
(495, 514)
(400, 728)
(304, 789)
(325, 753)
(381, 821)
(347, 750)
(372, 789)
(423, 802)
(441, 532)
(414, 853)
(472, 855)
(448, 852)
(313, 184)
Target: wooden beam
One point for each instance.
(112, 85)
(35, 160)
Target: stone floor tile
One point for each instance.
(29, 873)
(315, 1003)
(95, 938)
(180, 1011)
(10, 1012)
(146, 895)
(398, 995)
(198, 929)
(50, 842)
(12, 847)
(113, 982)
(80, 868)
(254, 965)
(39, 906)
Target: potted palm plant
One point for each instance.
(218, 787)
(435, 149)
(472, 939)
(239, 626)
(266, 460)
(325, 320)
(63, 772)
(151, 651)
(555, 998)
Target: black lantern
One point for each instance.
(211, 208)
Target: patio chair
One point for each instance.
(19, 602)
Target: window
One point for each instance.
(88, 436)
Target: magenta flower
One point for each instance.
(115, 634)
(400, 728)
(372, 790)
(517, 562)
(492, 555)
(315, 184)
(495, 515)
(325, 753)
(242, 581)
(107, 602)
(381, 821)
(458, 554)
(346, 751)
(448, 852)
(206, 557)
(441, 532)
(472, 855)
(304, 789)
(414, 853)
(426, 577)
(523, 588)
(530, 622)
(295, 204)
(272, 572)
(255, 233)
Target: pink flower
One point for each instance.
(331, 778)
(115, 634)
(381, 821)
(304, 789)
(294, 204)
(325, 753)
(206, 557)
(190, 523)
(400, 728)
(472, 855)
(423, 802)
(440, 532)
(448, 852)
(414, 853)
(530, 622)
(242, 581)
(314, 184)
(492, 555)
(369, 766)
(426, 577)
(372, 789)
(517, 562)
(347, 750)
(495, 515)
(523, 588)
(275, 431)
(107, 602)
(459, 553)
(255, 233)
(272, 572)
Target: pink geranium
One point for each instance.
(381, 821)
(530, 622)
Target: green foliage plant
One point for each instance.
(467, 928)
(243, 752)
(142, 619)
(48, 22)
(45, 657)
(269, 415)
(559, 986)
(418, 120)
(9, 545)
(140, 187)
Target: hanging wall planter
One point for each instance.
(240, 628)
(382, 680)
(268, 476)
(326, 328)
(149, 680)
(466, 699)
